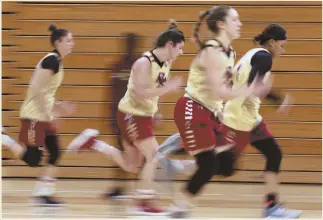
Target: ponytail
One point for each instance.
(197, 26)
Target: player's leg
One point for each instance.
(145, 141)
(45, 187)
(32, 154)
(196, 129)
(173, 144)
(262, 139)
(230, 144)
(88, 140)
(16, 149)
(136, 159)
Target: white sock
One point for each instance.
(44, 187)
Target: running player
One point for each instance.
(149, 79)
(243, 124)
(38, 116)
(196, 114)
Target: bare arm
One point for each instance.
(38, 82)
(141, 78)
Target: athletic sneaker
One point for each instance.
(278, 211)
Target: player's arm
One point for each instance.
(142, 77)
(261, 64)
(40, 80)
(215, 70)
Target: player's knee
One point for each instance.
(207, 164)
(227, 163)
(33, 156)
(54, 156)
(52, 145)
(274, 161)
(274, 156)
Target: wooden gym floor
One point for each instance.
(219, 200)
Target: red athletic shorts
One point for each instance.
(196, 125)
(33, 132)
(242, 138)
(134, 127)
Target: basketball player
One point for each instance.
(38, 116)
(149, 79)
(196, 114)
(243, 124)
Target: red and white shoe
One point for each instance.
(84, 141)
(146, 207)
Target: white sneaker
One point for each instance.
(179, 212)
(279, 212)
(85, 140)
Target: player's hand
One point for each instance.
(158, 116)
(219, 115)
(65, 108)
(157, 119)
(261, 87)
(54, 125)
(174, 83)
(285, 107)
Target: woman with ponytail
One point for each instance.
(38, 115)
(149, 79)
(242, 122)
(209, 83)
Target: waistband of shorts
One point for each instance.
(214, 111)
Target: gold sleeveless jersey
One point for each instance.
(198, 87)
(131, 104)
(29, 108)
(243, 113)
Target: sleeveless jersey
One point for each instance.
(131, 104)
(243, 113)
(198, 87)
(29, 108)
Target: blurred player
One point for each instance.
(120, 79)
(209, 83)
(243, 124)
(38, 116)
(149, 79)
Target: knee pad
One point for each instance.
(227, 163)
(207, 161)
(274, 158)
(207, 164)
(54, 157)
(271, 150)
(33, 156)
(53, 149)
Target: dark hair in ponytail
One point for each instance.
(272, 31)
(170, 34)
(56, 34)
(215, 14)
